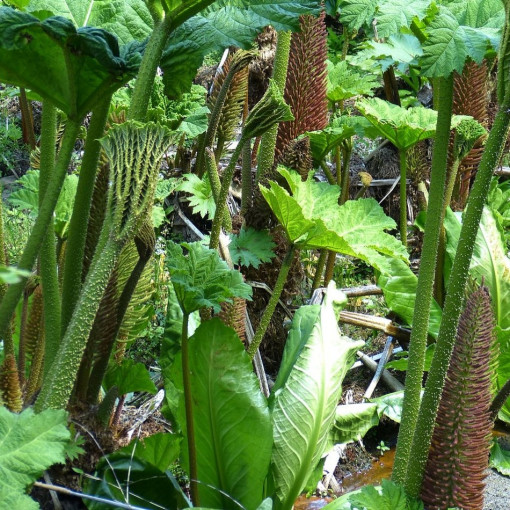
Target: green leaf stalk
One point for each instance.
(424, 289)
(403, 196)
(246, 179)
(135, 152)
(266, 114)
(319, 269)
(214, 179)
(455, 296)
(188, 400)
(42, 222)
(147, 73)
(268, 141)
(271, 306)
(75, 249)
(239, 61)
(48, 255)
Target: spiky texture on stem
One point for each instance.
(414, 376)
(458, 277)
(233, 106)
(237, 63)
(48, 254)
(268, 140)
(33, 245)
(267, 113)
(275, 296)
(459, 451)
(10, 391)
(305, 89)
(82, 207)
(135, 151)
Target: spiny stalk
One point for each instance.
(135, 151)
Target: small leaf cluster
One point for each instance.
(251, 247)
(202, 279)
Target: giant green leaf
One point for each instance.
(312, 218)
(160, 450)
(127, 19)
(340, 129)
(304, 408)
(460, 31)
(231, 417)
(72, 68)
(402, 127)
(356, 13)
(391, 15)
(221, 25)
(399, 50)
(29, 444)
(202, 279)
(399, 284)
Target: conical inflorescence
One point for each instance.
(459, 452)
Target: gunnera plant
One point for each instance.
(459, 452)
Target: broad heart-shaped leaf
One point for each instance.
(312, 218)
(128, 377)
(119, 474)
(466, 30)
(304, 408)
(251, 247)
(201, 278)
(402, 127)
(221, 25)
(160, 450)
(232, 424)
(127, 19)
(72, 68)
(29, 444)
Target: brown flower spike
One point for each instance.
(459, 452)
